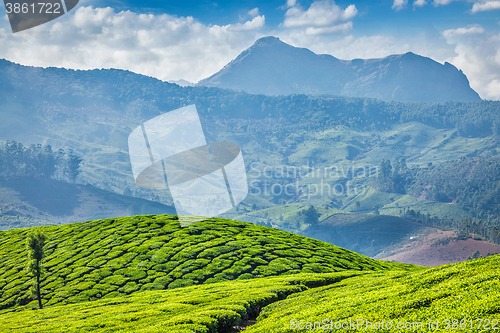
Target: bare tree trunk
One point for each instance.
(38, 291)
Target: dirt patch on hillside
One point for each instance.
(438, 248)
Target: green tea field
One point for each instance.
(114, 257)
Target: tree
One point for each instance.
(73, 166)
(34, 245)
(385, 169)
(311, 215)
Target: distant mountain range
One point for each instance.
(272, 67)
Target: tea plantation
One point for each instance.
(467, 294)
(462, 297)
(207, 308)
(116, 257)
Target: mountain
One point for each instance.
(181, 83)
(273, 67)
(113, 257)
(93, 112)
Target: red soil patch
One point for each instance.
(424, 251)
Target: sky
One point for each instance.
(191, 40)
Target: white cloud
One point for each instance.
(442, 2)
(340, 28)
(291, 3)
(255, 24)
(470, 30)
(254, 12)
(399, 4)
(419, 3)
(478, 57)
(348, 47)
(349, 12)
(320, 14)
(485, 6)
(163, 46)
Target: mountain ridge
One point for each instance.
(272, 67)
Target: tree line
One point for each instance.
(471, 183)
(37, 161)
(488, 230)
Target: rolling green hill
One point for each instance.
(208, 308)
(114, 257)
(466, 294)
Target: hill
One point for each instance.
(113, 257)
(275, 68)
(464, 294)
(458, 294)
(366, 234)
(28, 202)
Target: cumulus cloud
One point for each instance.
(485, 6)
(343, 28)
(470, 30)
(256, 23)
(478, 56)
(321, 18)
(442, 2)
(163, 46)
(419, 3)
(254, 12)
(319, 14)
(399, 4)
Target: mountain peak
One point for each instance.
(268, 40)
(273, 67)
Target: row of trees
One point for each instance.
(489, 230)
(37, 161)
(472, 183)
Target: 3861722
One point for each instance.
(33, 8)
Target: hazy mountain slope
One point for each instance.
(107, 258)
(274, 68)
(93, 112)
(28, 202)
(366, 234)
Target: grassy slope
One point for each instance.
(394, 204)
(113, 257)
(467, 290)
(206, 308)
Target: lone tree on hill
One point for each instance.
(34, 245)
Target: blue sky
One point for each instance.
(191, 40)
(375, 16)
